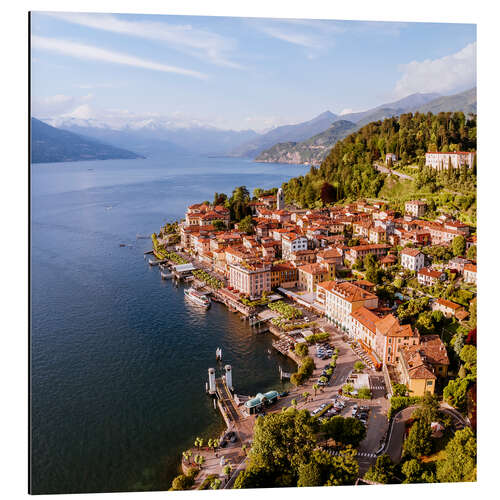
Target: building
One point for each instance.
(420, 365)
(447, 307)
(429, 277)
(292, 243)
(284, 275)
(470, 273)
(280, 199)
(312, 274)
(390, 158)
(416, 208)
(360, 251)
(341, 299)
(250, 280)
(457, 159)
(412, 259)
(391, 336)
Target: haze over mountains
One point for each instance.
(306, 142)
(50, 144)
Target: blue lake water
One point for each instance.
(119, 359)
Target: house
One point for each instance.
(470, 273)
(330, 256)
(420, 365)
(428, 277)
(458, 263)
(312, 274)
(377, 234)
(388, 261)
(292, 243)
(412, 259)
(447, 307)
(360, 251)
(416, 208)
(341, 299)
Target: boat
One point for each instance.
(218, 354)
(197, 298)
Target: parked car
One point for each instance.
(354, 410)
(283, 394)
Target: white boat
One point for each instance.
(218, 354)
(197, 298)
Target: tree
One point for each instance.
(306, 395)
(399, 389)
(198, 442)
(219, 199)
(458, 245)
(472, 252)
(419, 441)
(359, 366)
(182, 482)
(215, 483)
(328, 193)
(246, 225)
(301, 349)
(316, 388)
(382, 471)
(226, 470)
(412, 469)
(459, 464)
(345, 430)
(455, 393)
(219, 225)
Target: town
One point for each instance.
(390, 297)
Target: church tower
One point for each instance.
(280, 200)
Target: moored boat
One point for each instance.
(197, 298)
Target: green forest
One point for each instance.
(348, 172)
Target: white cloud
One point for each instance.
(448, 74)
(200, 43)
(89, 52)
(346, 111)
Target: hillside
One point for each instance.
(465, 102)
(349, 165)
(310, 152)
(50, 145)
(286, 133)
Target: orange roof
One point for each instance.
(470, 267)
(366, 317)
(389, 326)
(347, 291)
(412, 252)
(448, 303)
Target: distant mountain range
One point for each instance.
(50, 144)
(314, 149)
(306, 142)
(288, 133)
(158, 137)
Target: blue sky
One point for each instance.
(237, 72)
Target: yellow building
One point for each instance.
(312, 274)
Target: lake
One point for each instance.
(119, 359)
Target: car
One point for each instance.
(222, 443)
(234, 439)
(283, 394)
(339, 404)
(354, 410)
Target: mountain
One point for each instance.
(159, 137)
(465, 102)
(286, 133)
(310, 152)
(50, 144)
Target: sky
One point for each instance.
(236, 73)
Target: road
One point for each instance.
(385, 170)
(397, 431)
